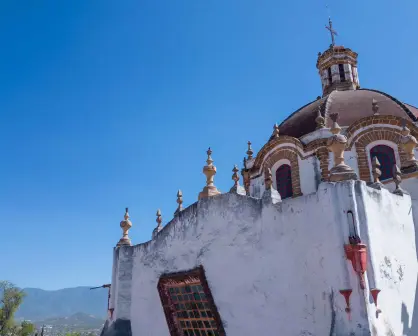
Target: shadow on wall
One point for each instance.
(405, 315)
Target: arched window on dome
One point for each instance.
(284, 181)
(386, 157)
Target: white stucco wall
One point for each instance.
(257, 186)
(309, 174)
(387, 227)
(317, 134)
(271, 267)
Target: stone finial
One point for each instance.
(236, 187)
(320, 120)
(336, 144)
(276, 132)
(126, 224)
(376, 169)
(210, 171)
(246, 180)
(268, 179)
(179, 202)
(159, 227)
(159, 219)
(249, 151)
(375, 107)
(408, 143)
(270, 195)
(376, 174)
(235, 176)
(397, 178)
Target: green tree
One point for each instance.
(11, 298)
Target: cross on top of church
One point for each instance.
(332, 32)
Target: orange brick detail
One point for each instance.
(290, 154)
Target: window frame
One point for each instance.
(169, 279)
(290, 179)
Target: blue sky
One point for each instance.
(108, 104)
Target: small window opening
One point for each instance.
(284, 181)
(329, 76)
(386, 157)
(342, 72)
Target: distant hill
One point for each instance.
(41, 304)
(76, 321)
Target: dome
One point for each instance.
(351, 105)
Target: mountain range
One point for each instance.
(39, 305)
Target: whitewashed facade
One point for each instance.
(275, 253)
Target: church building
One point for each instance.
(315, 237)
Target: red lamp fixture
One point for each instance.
(347, 293)
(356, 252)
(375, 292)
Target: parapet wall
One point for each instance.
(270, 267)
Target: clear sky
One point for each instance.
(107, 104)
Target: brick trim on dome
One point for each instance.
(379, 121)
(371, 135)
(271, 145)
(290, 154)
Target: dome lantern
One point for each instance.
(337, 67)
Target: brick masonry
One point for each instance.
(385, 127)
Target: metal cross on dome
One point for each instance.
(332, 32)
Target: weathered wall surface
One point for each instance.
(410, 314)
(270, 268)
(309, 174)
(390, 236)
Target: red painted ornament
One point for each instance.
(357, 254)
(375, 292)
(346, 293)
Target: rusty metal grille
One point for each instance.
(188, 304)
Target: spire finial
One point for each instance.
(337, 144)
(210, 171)
(209, 160)
(336, 129)
(249, 151)
(126, 224)
(331, 31)
(376, 170)
(375, 107)
(397, 178)
(235, 176)
(159, 219)
(159, 227)
(408, 143)
(320, 120)
(179, 202)
(236, 188)
(268, 179)
(376, 174)
(276, 132)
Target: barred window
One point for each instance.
(284, 181)
(386, 157)
(188, 304)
